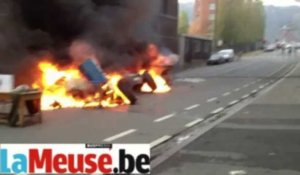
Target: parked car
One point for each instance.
(223, 56)
(270, 48)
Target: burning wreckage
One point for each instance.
(86, 85)
(83, 54)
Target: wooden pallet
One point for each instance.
(22, 107)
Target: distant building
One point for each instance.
(204, 18)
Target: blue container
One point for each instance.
(92, 72)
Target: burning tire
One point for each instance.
(149, 80)
(167, 76)
(126, 87)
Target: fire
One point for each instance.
(54, 84)
(55, 94)
(69, 87)
(161, 84)
(113, 97)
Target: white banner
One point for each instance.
(74, 159)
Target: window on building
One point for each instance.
(212, 17)
(212, 6)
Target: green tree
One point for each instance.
(239, 22)
(183, 24)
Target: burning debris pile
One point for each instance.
(100, 51)
(87, 85)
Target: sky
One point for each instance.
(266, 2)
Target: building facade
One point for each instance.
(204, 18)
(166, 24)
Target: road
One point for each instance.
(260, 136)
(196, 94)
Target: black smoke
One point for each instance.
(115, 32)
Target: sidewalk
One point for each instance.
(261, 139)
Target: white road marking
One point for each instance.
(122, 134)
(254, 91)
(245, 96)
(237, 89)
(217, 111)
(182, 139)
(226, 94)
(253, 82)
(159, 141)
(237, 172)
(191, 80)
(212, 100)
(192, 107)
(193, 123)
(262, 86)
(164, 117)
(233, 102)
(205, 130)
(246, 85)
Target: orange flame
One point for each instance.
(161, 84)
(53, 82)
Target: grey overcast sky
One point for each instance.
(266, 2)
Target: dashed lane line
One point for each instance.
(217, 111)
(117, 136)
(164, 117)
(233, 103)
(159, 141)
(212, 100)
(254, 91)
(246, 85)
(192, 107)
(226, 94)
(245, 96)
(193, 123)
(262, 86)
(237, 89)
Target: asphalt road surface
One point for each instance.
(196, 94)
(259, 136)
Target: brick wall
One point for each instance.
(203, 23)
